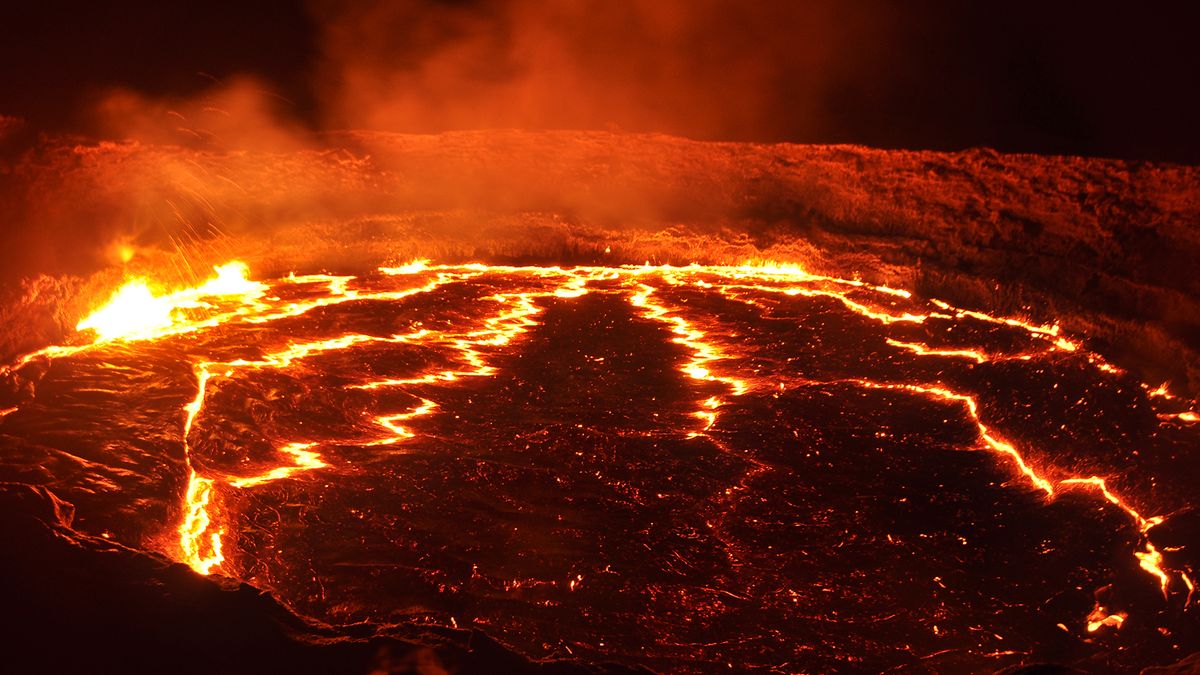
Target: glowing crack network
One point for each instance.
(925, 344)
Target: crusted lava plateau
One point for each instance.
(519, 401)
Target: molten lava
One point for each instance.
(136, 313)
(390, 364)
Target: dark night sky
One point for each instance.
(1048, 77)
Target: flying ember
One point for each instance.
(701, 465)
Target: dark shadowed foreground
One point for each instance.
(78, 603)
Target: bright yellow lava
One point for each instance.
(303, 456)
(1099, 618)
(198, 547)
(134, 312)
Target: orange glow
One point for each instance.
(926, 350)
(408, 268)
(392, 423)
(703, 353)
(1099, 618)
(231, 279)
(1160, 391)
(135, 313)
(132, 312)
(1187, 416)
(1151, 560)
(995, 443)
(198, 547)
(304, 458)
(1049, 332)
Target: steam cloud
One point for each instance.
(703, 68)
(700, 68)
(711, 69)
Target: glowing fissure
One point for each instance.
(1050, 332)
(400, 432)
(1149, 559)
(199, 547)
(304, 460)
(498, 330)
(925, 350)
(1161, 391)
(703, 352)
(135, 313)
(997, 444)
